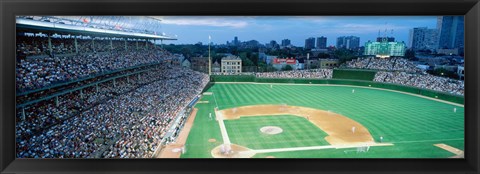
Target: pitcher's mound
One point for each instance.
(212, 140)
(271, 130)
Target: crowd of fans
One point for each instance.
(30, 45)
(128, 117)
(37, 73)
(312, 74)
(389, 64)
(422, 80)
(404, 72)
(31, 95)
(127, 120)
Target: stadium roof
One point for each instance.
(117, 26)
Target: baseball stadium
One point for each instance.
(342, 117)
(90, 87)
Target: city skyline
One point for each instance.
(296, 28)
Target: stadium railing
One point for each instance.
(176, 126)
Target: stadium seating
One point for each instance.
(122, 118)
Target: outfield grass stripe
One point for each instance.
(395, 116)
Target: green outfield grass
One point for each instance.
(411, 123)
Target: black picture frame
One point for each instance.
(10, 8)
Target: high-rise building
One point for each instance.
(236, 42)
(285, 42)
(310, 43)
(451, 32)
(321, 42)
(422, 38)
(348, 42)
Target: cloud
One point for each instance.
(206, 21)
(351, 28)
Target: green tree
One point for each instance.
(410, 54)
(187, 52)
(344, 55)
(323, 55)
(287, 68)
(216, 58)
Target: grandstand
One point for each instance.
(97, 87)
(396, 71)
(100, 87)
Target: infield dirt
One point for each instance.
(169, 150)
(341, 130)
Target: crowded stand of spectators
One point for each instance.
(31, 45)
(312, 74)
(404, 72)
(125, 121)
(422, 80)
(37, 73)
(26, 96)
(232, 73)
(388, 64)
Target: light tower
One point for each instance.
(209, 58)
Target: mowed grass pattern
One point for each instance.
(412, 123)
(297, 132)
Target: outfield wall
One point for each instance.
(354, 74)
(409, 89)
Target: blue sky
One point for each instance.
(193, 29)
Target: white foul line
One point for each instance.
(317, 148)
(223, 130)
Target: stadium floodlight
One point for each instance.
(209, 58)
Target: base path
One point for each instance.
(171, 150)
(338, 127)
(223, 130)
(458, 153)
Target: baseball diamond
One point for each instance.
(118, 91)
(322, 121)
